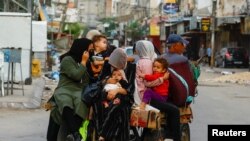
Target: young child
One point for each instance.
(160, 92)
(117, 80)
(96, 56)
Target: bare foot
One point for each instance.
(142, 106)
(117, 101)
(105, 103)
(101, 138)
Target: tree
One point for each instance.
(75, 29)
(135, 31)
(110, 26)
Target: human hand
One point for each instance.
(111, 94)
(166, 75)
(116, 101)
(106, 58)
(141, 75)
(195, 63)
(85, 57)
(109, 97)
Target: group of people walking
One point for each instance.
(203, 51)
(91, 59)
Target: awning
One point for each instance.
(194, 32)
(170, 24)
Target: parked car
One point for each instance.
(232, 56)
(129, 50)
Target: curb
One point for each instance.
(34, 102)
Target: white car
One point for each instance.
(128, 50)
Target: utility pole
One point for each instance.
(162, 24)
(213, 25)
(6, 4)
(30, 9)
(149, 9)
(65, 7)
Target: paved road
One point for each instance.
(219, 104)
(23, 125)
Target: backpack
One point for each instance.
(195, 70)
(181, 84)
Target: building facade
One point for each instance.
(91, 11)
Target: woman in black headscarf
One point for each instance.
(113, 123)
(67, 96)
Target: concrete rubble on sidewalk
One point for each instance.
(239, 78)
(235, 76)
(35, 95)
(49, 88)
(31, 98)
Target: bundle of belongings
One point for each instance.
(148, 118)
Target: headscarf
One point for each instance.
(123, 75)
(145, 49)
(77, 49)
(118, 59)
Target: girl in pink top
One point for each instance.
(145, 51)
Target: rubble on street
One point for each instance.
(234, 76)
(239, 78)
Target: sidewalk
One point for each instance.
(224, 75)
(32, 95)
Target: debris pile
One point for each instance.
(239, 78)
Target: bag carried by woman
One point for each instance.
(90, 93)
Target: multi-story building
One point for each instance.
(91, 11)
(232, 28)
(232, 22)
(109, 6)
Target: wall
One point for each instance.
(91, 11)
(16, 32)
(230, 7)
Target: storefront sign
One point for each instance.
(205, 24)
(170, 8)
(154, 26)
